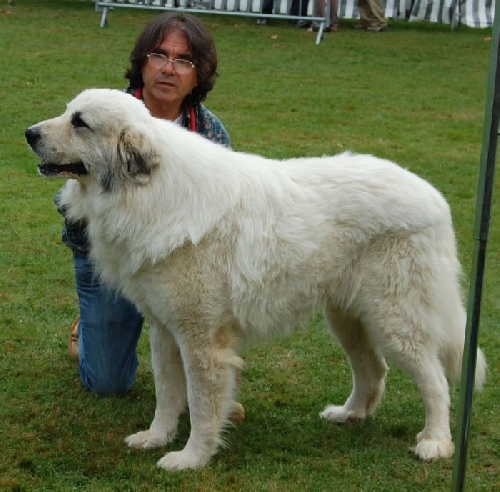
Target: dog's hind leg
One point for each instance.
(210, 362)
(367, 365)
(426, 370)
(409, 330)
(413, 343)
(170, 386)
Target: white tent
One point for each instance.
(473, 13)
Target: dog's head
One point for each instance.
(101, 137)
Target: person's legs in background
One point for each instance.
(267, 8)
(372, 17)
(332, 24)
(299, 7)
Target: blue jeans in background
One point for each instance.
(109, 330)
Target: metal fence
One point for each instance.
(473, 13)
(293, 10)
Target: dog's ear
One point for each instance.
(136, 156)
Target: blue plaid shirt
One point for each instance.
(74, 235)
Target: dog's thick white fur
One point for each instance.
(218, 248)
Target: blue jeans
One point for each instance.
(109, 330)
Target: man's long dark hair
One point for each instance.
(202, 46)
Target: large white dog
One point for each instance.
(218, 248)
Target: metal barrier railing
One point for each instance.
(245, 8)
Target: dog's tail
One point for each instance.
(452, 361)
(449, 304)
(452, 347)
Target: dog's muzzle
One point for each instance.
(33, 136)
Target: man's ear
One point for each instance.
(136, 156)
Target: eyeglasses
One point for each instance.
(181, 66)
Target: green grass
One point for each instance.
(415, 94)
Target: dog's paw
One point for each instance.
(341, 414)
(182, 460)
(433, 449)
(147, 440)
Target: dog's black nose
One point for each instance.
(32, 136)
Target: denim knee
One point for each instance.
(109, 330)
(104, 384)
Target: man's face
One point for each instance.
(164, 85)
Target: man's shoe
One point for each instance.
(262, 22)
(303, 24)
(73, 339)
(315, 28)
(238, 413)
(376, 28)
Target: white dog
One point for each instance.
(217, 248)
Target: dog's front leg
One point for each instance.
(210, 371)
(170, 386)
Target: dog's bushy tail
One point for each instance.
(452, 361)
(452, 358)
(452, 347)
(452, 313)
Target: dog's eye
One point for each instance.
(78, 122)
